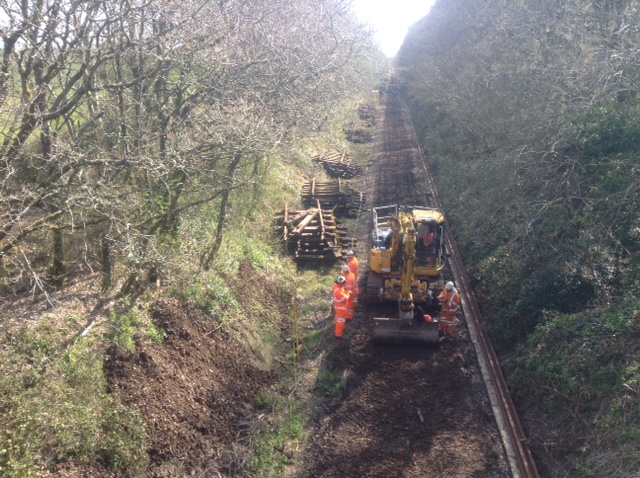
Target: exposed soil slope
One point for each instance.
(197, 393)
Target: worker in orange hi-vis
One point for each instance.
(450, 300)
(350, 286)
(356, 292)
(354, 266)
(340, 300)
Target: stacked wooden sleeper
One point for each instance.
(337, 165)
(336, 195)
(313, 234)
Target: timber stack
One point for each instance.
(338, 165)
(367, 113)
(336, 195)
(358, 134)
(313, 234)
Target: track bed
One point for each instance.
(406, 411)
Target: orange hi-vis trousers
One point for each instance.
(447, 322)
(340, 321)
(340, 302)
(354, 296)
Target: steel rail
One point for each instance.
(515, 442)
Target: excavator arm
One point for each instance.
(409, 241)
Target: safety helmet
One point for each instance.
(341, 280)
(449, 285)
(345, 268)
(350, 254)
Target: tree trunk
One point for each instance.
(58, 269)
(212, 250)
(170, 223)
(106, 265)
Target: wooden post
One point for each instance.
(286, 221)
(106, 265)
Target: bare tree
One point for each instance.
(121, 115)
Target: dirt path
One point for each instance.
(406, 411)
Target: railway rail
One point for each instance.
(517, 450)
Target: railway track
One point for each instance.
(400, 133)
(411, 411)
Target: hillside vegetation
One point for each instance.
(529, 114)
(145, 150)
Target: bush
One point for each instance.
(55, 407)
(581, 370)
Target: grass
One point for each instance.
(330, 384)
(278, 440)
(55, 407)
(312, 340)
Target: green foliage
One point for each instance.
(259, 257)
(268, 333)
(264, 401)
(125, 328)
(313, 340)
(156, 334)
(278, 439)
(532, 133)
(527, 176)
(328, 383)
(584, 367)
(609, 145)
(611, 128)
(258, 249)
(55, 407)
(213, 297)
(313, 287)
(521, 289)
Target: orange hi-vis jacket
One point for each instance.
(450, 304)
(340, 301)
(351, 286)
(354, 266)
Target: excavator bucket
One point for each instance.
(405, 332)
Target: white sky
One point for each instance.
(391, 19)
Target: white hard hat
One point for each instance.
(449, 285)
(341, 280)
(350, 254)
(345, 268)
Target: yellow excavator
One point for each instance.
(405, 266)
